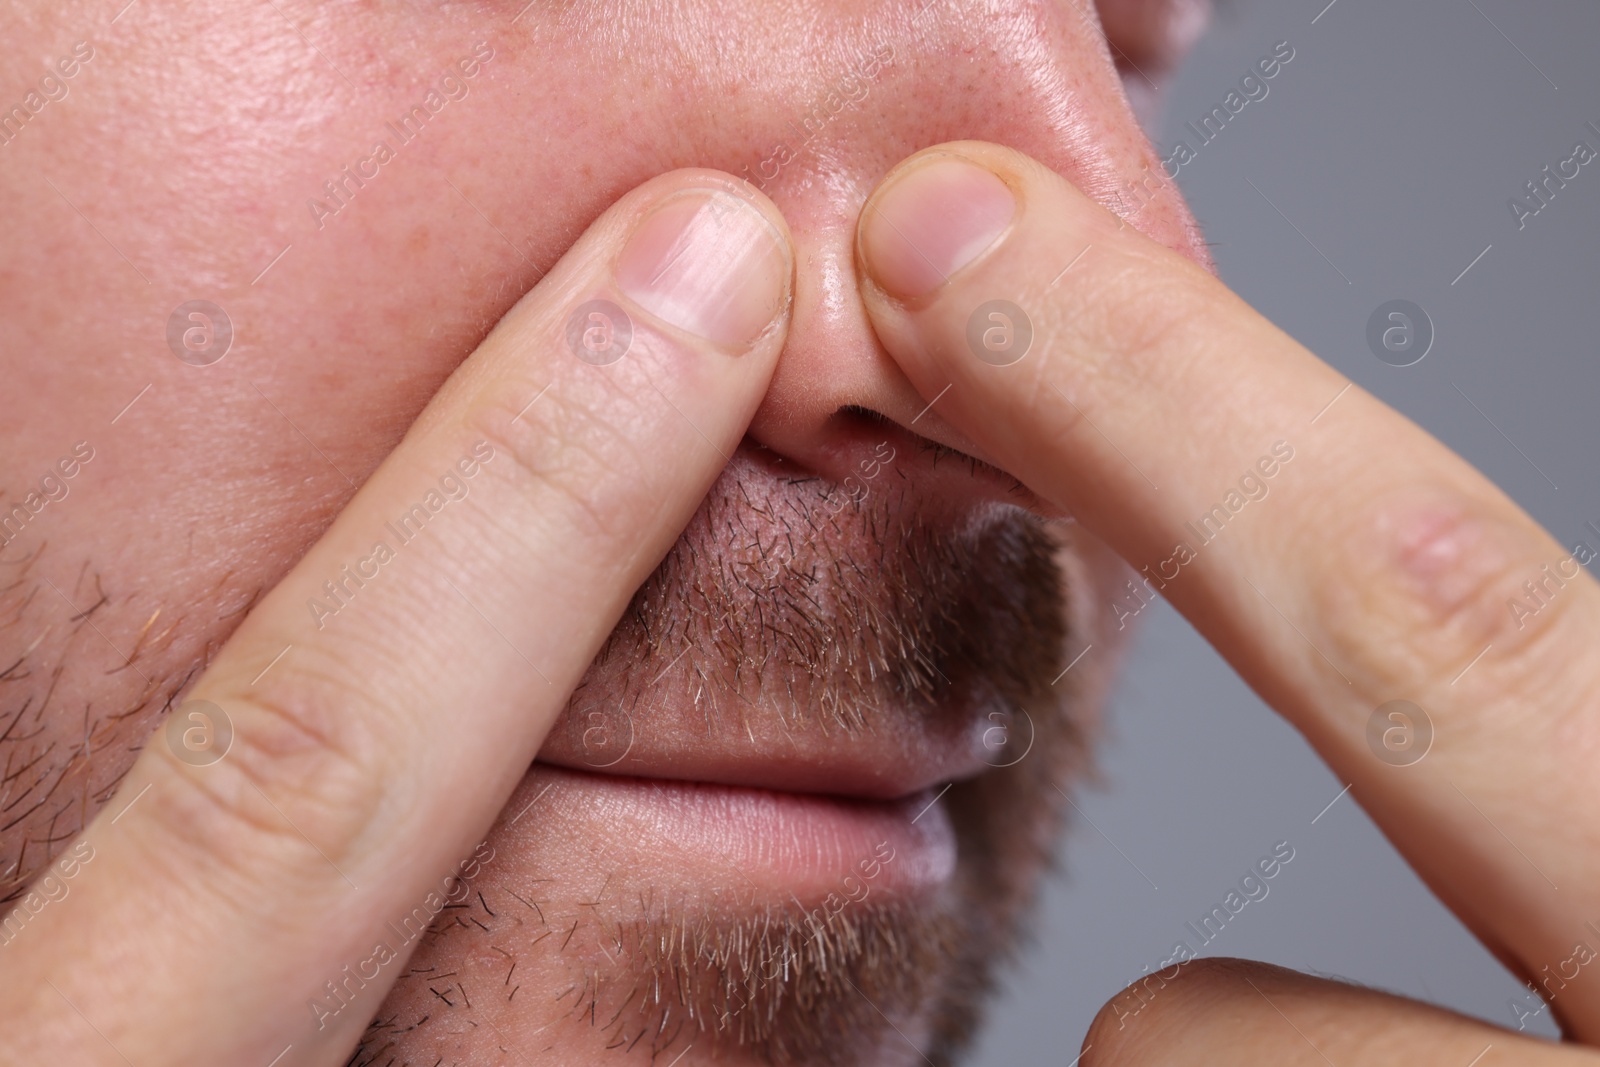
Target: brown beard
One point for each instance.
(781, 601)
(784, 594)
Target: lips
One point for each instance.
(892, 752)
(735, 848)
(896, 761)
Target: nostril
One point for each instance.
(874, 421)
(867, 454)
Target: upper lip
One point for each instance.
(900, 758)
(806, 641)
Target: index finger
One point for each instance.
(1339, 557)
(383, 701)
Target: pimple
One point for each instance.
(1446, 552)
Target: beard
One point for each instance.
(794, 626)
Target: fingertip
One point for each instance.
(945, 208)
(709, 255)
(929, 220)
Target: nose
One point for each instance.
(834, 382)
(1047, 87)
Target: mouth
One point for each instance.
(863, 637)
(791, 696)
(770, 807)
(886, 754)
(732, 850)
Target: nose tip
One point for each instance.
(836, 390)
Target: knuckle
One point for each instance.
(1124, 330)
(299, 787)
(1129, 325)
(1147, 312)
(578, 443)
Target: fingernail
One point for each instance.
(710, 263)
(931, 221)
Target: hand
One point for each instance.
(363, 727)
(1333, 552)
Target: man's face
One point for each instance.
(738, 839)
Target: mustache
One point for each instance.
(777, 597)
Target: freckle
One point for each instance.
(418, 241)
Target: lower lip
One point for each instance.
(779, 846)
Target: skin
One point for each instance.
(205, 489)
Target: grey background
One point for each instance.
(1392, 141)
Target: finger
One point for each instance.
(1239, 1012)
(387, 696)
(1339, 557)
